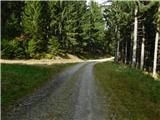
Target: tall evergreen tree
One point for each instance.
(58, 18)
(33, 23)
(93, 28)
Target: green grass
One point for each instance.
(129, 93)
(18, 81)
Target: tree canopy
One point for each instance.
(53, 27)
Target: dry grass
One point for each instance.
(68, 59)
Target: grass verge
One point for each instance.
(129, 93)
(19, 80)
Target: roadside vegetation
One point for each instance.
(128, 92)
(18, 81)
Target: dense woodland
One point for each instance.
(128, 30)
(44, 29)
(133, 27)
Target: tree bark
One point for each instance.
(156, 49)
(126, 56)
(135, 38)
(117, 45)
(117, 51)
(155, 54)
(142, 50)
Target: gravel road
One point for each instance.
(71, 96)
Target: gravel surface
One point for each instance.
(89, 105)
(71, 96)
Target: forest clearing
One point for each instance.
(80, 60)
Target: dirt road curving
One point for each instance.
(72, 96)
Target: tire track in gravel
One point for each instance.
(89, 105)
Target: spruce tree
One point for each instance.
(33, 25)
(58, 18)
(93, 28)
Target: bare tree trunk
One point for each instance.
(117, 51)
(130, 49)
(135, 38)
(117, 45)
(142, 50)
(156, 50)
(155, 54)
(126, 53)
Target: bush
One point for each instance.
(53, 46)
(49, 56)
(19, 51)
(32, 48)
(7, 49)
(13, 49)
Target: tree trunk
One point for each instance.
(117, 51)
(155, 54)
(117, 45)
(142, 50)
(135, 38)
(156, 50)
(126, 56)
(131, 50)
